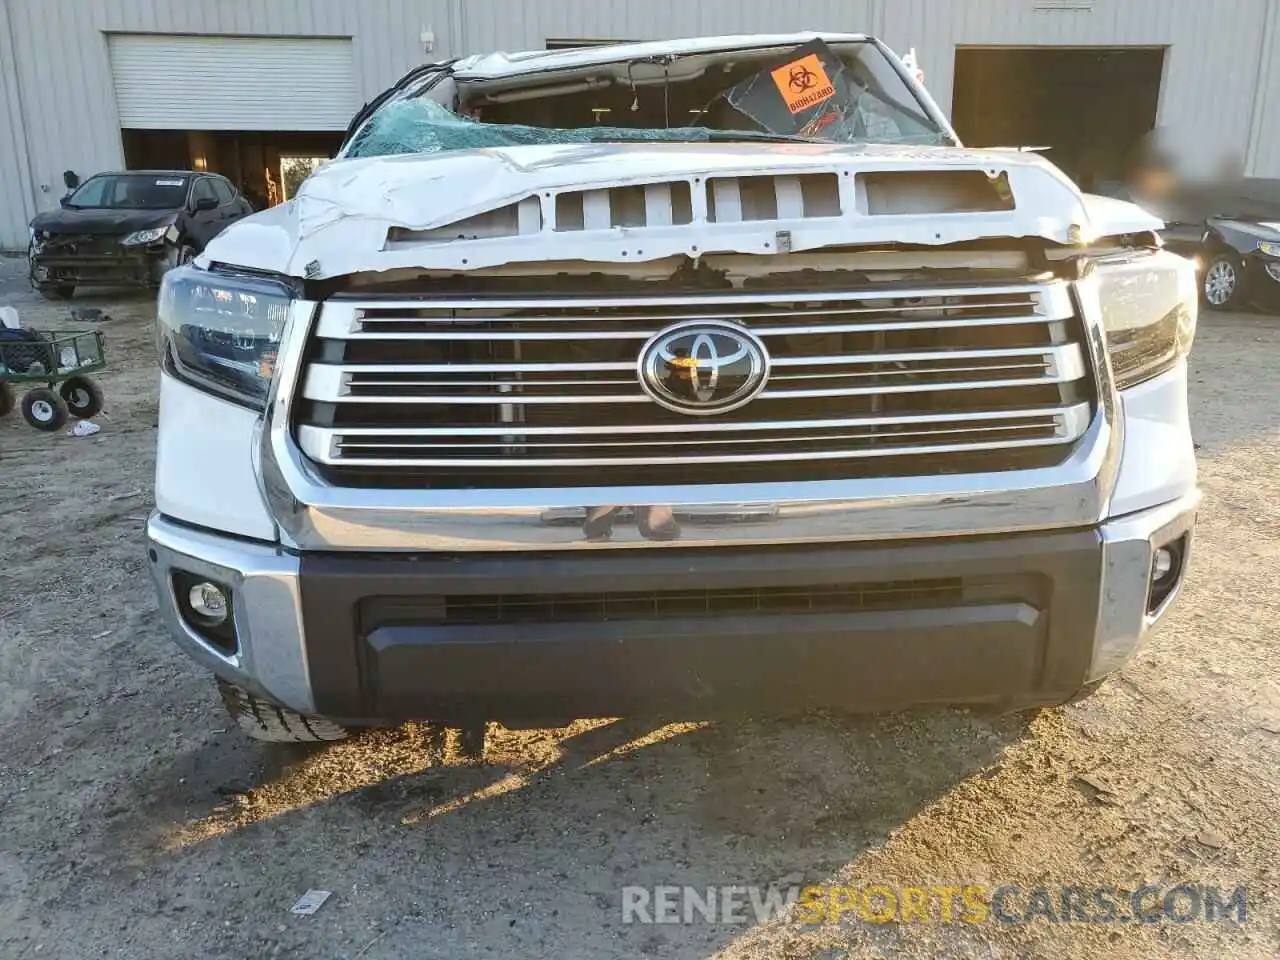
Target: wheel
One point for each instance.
(44, 409)
(1085, 692)
(272, 723)
(1030, 706)
(7, 400)
(83, 396)
(186, 254)
(1221, 287)
(56, 291)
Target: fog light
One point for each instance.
(206, 607)
(207, 600)
(1167, 564)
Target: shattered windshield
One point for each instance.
(810, 94)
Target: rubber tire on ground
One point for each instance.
(1028, 707)
(1085, 692)
(83, 396)
(1236, 299)
(7, 400)
(43, 395)
(272, 723)
(56, 291)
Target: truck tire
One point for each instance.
(272, 723)
(1031, 706)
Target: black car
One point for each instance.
(1239, 260)
(127, 229)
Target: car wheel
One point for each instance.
(7, 400)
(83, 397)
(1222, 286)
(44, 409)
(263, 720)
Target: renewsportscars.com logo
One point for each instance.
(973, 903)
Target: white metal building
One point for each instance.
(86, 84)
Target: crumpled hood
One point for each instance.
(93, 220)
(346, 216)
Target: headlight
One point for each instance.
(220, 332)
(144, 236)
(1269, 248)
(1149, 310)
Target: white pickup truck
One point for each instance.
(676, 379)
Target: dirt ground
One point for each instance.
(136, 822)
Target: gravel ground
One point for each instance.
(134, 822)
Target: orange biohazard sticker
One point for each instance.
(803, 83)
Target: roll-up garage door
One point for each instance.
(232, 83)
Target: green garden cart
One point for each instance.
(57, 364)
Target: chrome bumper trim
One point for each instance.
(1129, 544)
(271, 658)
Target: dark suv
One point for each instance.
(127, 229)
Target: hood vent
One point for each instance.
(739, 199)
(513, 220)
(933, 191)
(728, 200)
(647, 205)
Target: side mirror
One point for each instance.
(206, 203)
(71, 179)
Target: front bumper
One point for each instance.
(1262, 279)
(1016, 619)
(130, 266)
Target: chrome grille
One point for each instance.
(541, 391)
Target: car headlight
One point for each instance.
(220, 332)
(144, 236)
(1149, 310)
(1269, 248)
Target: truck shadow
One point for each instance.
(552, 825)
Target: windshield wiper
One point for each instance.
(708, 134)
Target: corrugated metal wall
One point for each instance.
(17, 205)
(61, 74)
(1264, 147)
(57, 99)
(1211, 67)
(509, 25)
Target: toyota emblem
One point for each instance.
(703, 368)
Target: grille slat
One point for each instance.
(493, 391)
(365, 383)
(643, 605)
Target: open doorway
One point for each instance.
(1091, 106)
(294, 168)
(261, 163)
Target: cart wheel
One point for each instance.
(83, 396)
(44, 409)
(6, 399)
